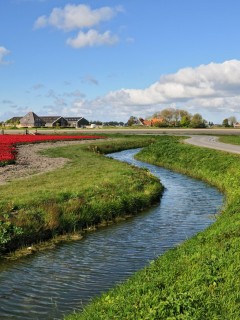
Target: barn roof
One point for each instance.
(50, 119)
(30, 118)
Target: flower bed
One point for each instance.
(8, 143)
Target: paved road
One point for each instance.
(212, 143)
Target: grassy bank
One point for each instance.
(89, 190)
(230, 139)
(199, 279)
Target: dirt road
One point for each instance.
(30, 162)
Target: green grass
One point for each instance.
(230, 139)
(90, 189)
(199, 279)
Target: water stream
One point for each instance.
(50, 284)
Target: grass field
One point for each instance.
(89, 190)
(230, 139)
(199, 279)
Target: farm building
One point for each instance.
(33, 120)
(55, 121)
(77, 122)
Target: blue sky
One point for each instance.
(108, 60)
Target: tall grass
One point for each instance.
(90, 189)
(199, 279)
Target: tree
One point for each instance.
(185, 121)
(168, 115)
(132, 120)
(156, 115)
(231, 121)
(225, 123)
(185, 118)
(179, 117)
(176, 117)
(197, 121)
(160, 124)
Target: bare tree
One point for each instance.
(168, 115)
(232, 120)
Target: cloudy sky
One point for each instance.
(107, 60)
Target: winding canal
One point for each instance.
(50, 284)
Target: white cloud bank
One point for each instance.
(78, 17)
(3, 53)
(213, 88)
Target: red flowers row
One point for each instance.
(8, 142)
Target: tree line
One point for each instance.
(171, 117)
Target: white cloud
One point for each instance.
(41, 22)
(81, 17)
(73, 17)
(92, 38)
(3, 53)
(204, 82)
(208, 88)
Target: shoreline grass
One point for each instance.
(89, 190)
(199, 279)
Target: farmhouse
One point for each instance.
(236, 125)
(152, 122)
(33, 120)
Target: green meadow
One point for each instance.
(230, 139)
(200, 278)
(89, 190)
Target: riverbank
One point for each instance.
(199, 279)
(88, 190)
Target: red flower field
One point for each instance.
(8, 143)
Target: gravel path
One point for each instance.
(212, 143)
(30, 162)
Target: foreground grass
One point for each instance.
(89, 190)
(200, 279)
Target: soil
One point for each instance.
(30, 162)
